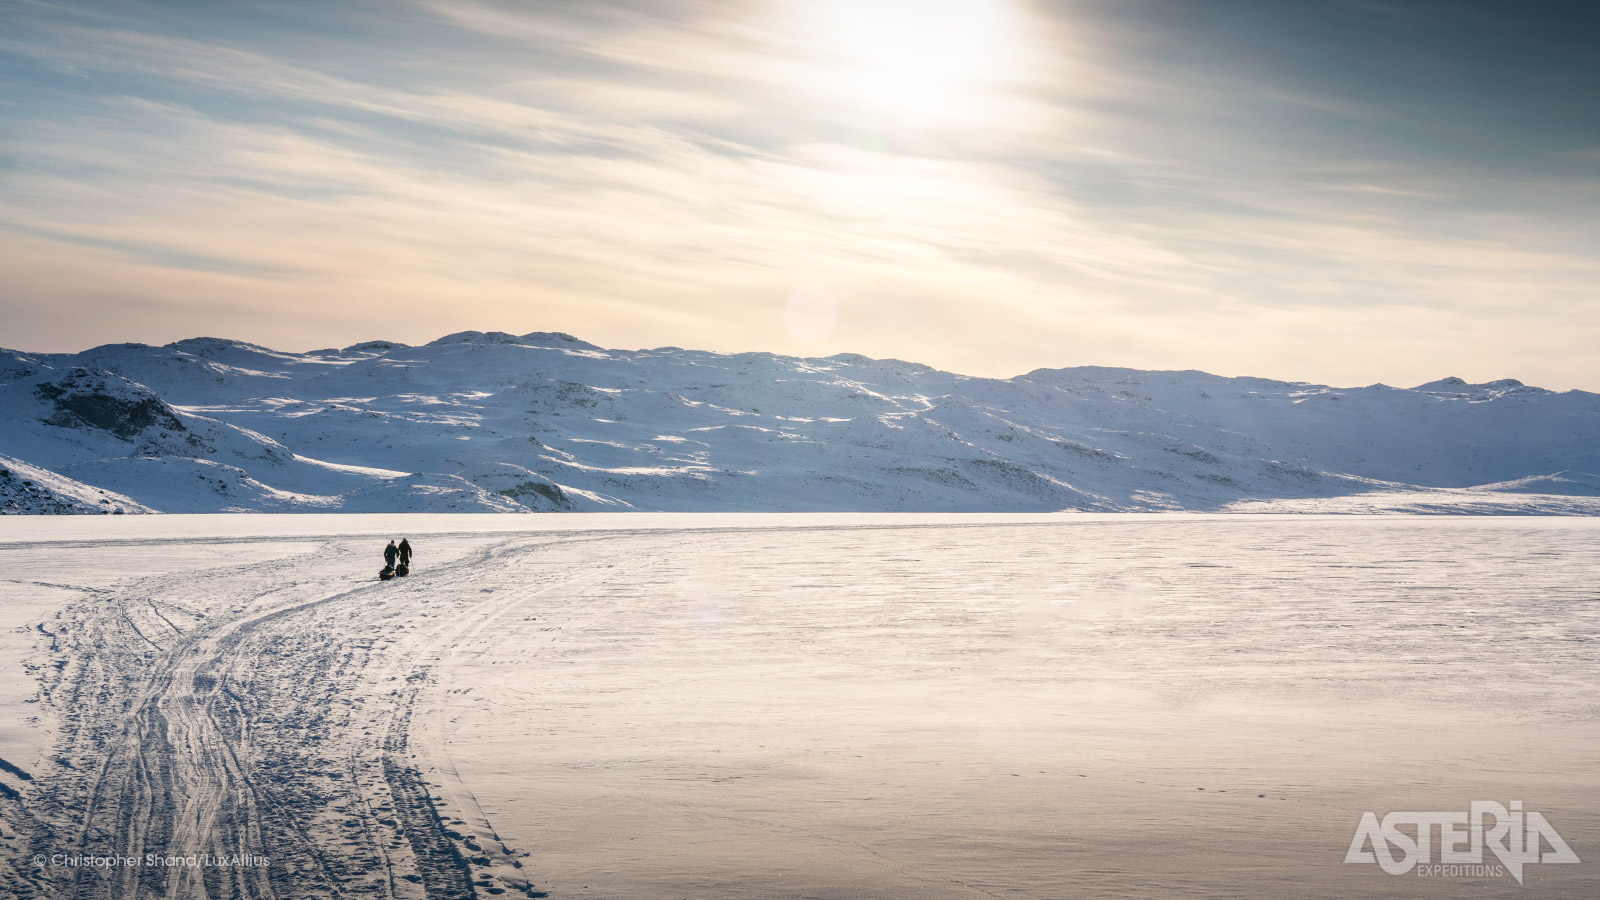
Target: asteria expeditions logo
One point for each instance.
(1516, 838)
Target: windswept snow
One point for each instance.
(949, 708)
(208, 425)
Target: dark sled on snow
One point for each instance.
(402, 570)
(385, 573)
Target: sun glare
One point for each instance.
(921, 59)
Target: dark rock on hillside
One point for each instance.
(82, 398)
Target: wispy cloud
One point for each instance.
(665, 173)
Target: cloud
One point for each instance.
(656, 174)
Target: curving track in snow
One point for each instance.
(200, 716)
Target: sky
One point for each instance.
(1339, 191)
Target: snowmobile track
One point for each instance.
(270, 726)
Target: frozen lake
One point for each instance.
(785, 707)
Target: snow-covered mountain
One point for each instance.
(496, 422)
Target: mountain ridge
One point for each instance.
(493, 421)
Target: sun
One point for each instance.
(920, 59)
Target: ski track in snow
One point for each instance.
(276, 723)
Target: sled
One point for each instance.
(385, 573)
(402, 570)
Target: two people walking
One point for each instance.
(393, 554)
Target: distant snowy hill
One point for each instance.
(500, 423)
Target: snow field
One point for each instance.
(1106, 706)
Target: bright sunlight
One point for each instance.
(921, 60)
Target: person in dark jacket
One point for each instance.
(389, 553)
(405, 552)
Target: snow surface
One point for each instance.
(477, 422)
(870, 707)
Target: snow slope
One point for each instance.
(541, 422)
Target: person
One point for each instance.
(405, 553)
(389, 553)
